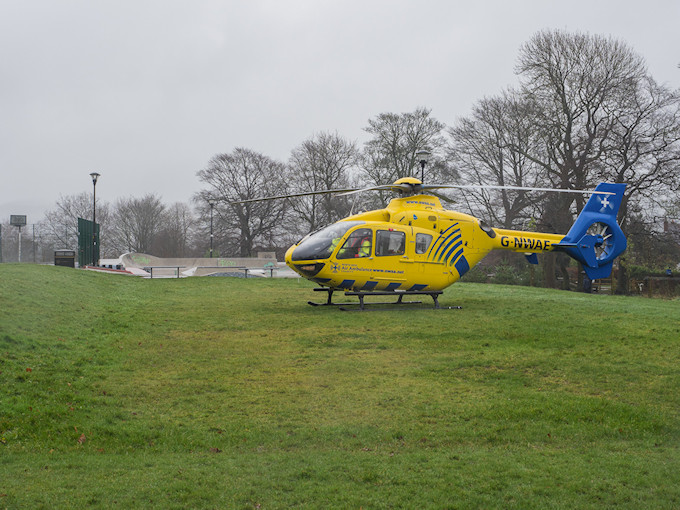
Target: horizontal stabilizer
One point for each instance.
(532, 258)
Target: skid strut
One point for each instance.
(434, 294)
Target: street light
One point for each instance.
(423, 157)
(94, 176)
(211, 203)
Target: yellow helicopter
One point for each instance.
(415, 246)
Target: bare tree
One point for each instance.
(578, 84)
(177, 231)
(645, 149)
(396, 138)
(243, 175)
(321, 162)
(586, 111)
(137, 223)
(60, 225)
(591, 96)
(36, 246)
(489, 148)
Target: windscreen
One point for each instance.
(320, 244)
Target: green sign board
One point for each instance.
(17, 220)
(88, 243)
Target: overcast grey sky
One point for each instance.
(146, 92)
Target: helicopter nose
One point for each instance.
(288, 257)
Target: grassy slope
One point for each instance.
(117, 391)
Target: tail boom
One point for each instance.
(526, 242)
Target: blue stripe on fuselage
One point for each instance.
(455, 246)
(418, 286)
(455, 256)
(442, 237)
(462, 266)
(369, 286)
(446, 252)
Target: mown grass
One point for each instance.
(221, 392)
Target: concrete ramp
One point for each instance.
(170, 267)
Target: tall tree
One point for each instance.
(589, 112)
(60, 225)
(578, 84)
(176, 232)
(321, 162)
(390, 153)
(601, 118)
(138, 222)
(489, 148)
(245, 175)
(645, 149)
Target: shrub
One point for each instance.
(475, 275)
(508, 275)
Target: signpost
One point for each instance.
(18, 220)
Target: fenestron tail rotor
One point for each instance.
(603, 235)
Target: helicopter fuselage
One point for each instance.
(414, 244)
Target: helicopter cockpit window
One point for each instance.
(389, 242)
(320, 244)
(358, 244)
(422, 243)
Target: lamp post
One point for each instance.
(94, 176)
(423, 157)
(211, 203)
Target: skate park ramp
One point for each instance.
(264, 265)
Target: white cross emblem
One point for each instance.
(605, 203)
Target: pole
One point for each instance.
(211, 229)
(94, 221)
(94, 176)
(34, 243)
(20, 243)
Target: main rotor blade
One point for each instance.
(518, 188)
(293, 195)
(444, 198)
(382, 187)
(420, 187)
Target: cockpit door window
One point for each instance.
(422, 243)
(359, 244)
(390, 242)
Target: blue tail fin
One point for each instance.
(596, 239)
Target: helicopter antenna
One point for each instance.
(423, 157)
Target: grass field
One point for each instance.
(232, 393)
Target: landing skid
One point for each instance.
(434, 294)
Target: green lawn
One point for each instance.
(231, 393)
